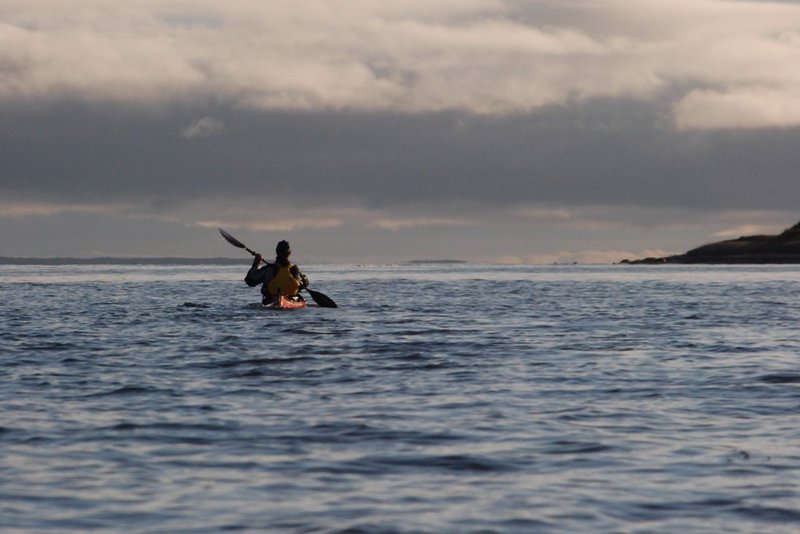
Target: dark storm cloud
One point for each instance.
(602, 152)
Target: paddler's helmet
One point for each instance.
(283, 248)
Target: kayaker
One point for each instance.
(279, 278)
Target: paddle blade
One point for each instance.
(322, 300)
(230, 239)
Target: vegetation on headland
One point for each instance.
(781, 248)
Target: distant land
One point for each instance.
(781, 248)
(107, 260)
(123, 261)
(426, 262)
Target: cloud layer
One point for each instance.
(724, 61)
(510, 130)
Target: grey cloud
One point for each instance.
(607, 152)
(203, 127)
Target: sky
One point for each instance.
(366, 131)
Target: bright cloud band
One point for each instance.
(478, 56)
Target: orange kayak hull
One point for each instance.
(285, 303)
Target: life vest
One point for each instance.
(283, 283)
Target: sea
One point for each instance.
(452, 398)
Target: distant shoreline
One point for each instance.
(107, 260)
(122, 261)
(781, 249)
(434, 262)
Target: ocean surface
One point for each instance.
(435, 399)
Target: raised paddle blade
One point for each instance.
(233, 241)
(322, 300)
(230, 239)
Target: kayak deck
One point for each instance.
(284, 303)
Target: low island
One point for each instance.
(781, 248)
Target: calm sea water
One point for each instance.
(435, 399)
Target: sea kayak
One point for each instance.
(285, 303)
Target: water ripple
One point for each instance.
(457, 399)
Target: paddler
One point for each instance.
(279, 278)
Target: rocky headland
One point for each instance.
(781, 248)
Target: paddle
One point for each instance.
(322, 300)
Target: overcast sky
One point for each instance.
(373, 131)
